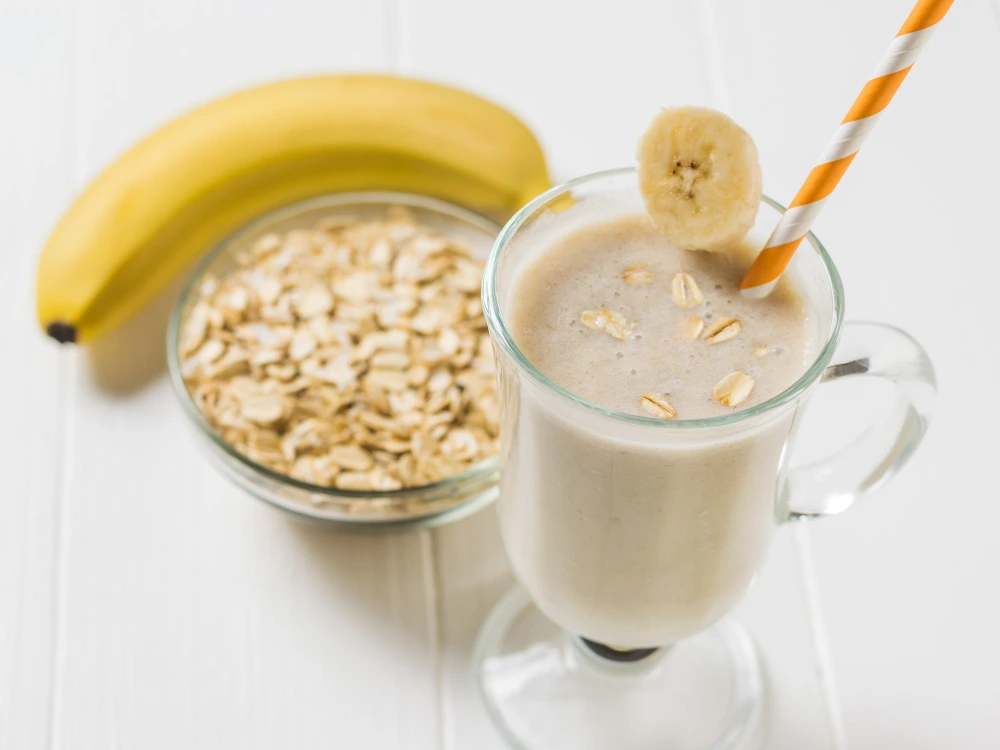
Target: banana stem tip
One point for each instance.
(64, 333)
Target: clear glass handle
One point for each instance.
(870, 350)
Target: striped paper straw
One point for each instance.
(842, 148)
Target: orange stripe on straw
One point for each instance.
(925, 13)
(761, 272)
(821, 181)
(876, 95)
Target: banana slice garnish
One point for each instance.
(699, 175)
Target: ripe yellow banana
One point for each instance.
(186, 186)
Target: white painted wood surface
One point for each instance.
(144, 603)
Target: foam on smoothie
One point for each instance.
(585, 271)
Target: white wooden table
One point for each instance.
(145, 603)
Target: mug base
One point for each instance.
(546, 690)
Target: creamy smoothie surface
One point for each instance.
(620, 316)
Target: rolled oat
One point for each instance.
(352, 355)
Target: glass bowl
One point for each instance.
(430, 504)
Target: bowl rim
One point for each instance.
(442, 487)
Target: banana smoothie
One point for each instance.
(640, 535)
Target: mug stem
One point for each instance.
(618, 655)
(547, 689)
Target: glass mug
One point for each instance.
(636, 535)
